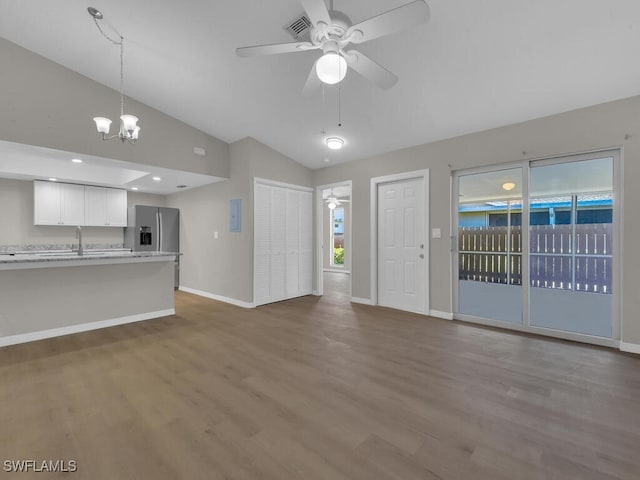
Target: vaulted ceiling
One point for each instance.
(475, 65)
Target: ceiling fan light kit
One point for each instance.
(331, 68)
(129, 128)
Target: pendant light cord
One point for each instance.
(121, 44)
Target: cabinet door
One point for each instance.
(116, 207)
(95, 206)
(46, 201)
(72, 204)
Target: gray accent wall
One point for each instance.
(48, 105)
(614, 124)
(224, 266)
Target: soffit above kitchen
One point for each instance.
(27, 162)
(473, 66)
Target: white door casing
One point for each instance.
(401, 245)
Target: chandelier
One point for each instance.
(129, 130)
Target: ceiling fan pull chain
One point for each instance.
(339, 106)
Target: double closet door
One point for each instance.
(283, 243)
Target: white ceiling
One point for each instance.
(475, 65)
(27, 162)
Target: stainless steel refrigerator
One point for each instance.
(154, 229)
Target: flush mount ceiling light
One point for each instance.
(51, 179)
(508, 186)
(334, 143)
(156, 179)
(134, 188)
(129, 130)
(76, 160)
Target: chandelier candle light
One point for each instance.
(129, 130)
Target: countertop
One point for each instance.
(11, 260)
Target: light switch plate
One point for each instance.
(436, 233)
(215, 235)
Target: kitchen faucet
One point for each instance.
(79, 237)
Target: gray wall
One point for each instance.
(48, 105)
(225, 266)
(16, 215)
(593, 128)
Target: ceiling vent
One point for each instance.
(299, 27)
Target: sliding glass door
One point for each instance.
(490, 245)
(571, 246)
(536, 246)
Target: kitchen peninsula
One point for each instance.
(49, 294)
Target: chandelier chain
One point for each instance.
(121, 75)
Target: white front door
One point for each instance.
(401, 245)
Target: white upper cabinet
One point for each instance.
(58, 204)
(70, 204)
(105, 207)
(47, 203)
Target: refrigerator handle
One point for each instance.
(159, 230)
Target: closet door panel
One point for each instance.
(292, 229)
(305, 267)
(262, 244)
(278, 245)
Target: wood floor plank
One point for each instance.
(319, 388)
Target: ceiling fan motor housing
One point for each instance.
(340, 23)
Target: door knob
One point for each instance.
(421, 255)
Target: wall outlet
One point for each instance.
(436, 233)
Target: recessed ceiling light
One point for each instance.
(508, 186)
(334, 143)
(51, 179)
(134, 188)
(157, 179)
(76, 160)
(325, 160)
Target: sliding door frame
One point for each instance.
(617, 154)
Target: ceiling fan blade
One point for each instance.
(317, 12)
(401, 18)
(370, 69)
(313, 82)
(274, 49)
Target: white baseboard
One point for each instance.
(83, 327)
(316, 293)
(220, 298)
(630, 347)
(439, 314)
(363, 301)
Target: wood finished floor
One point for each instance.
(319, 389)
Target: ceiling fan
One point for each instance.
(332, 200)
(332, 32)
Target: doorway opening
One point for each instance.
(333, 211)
